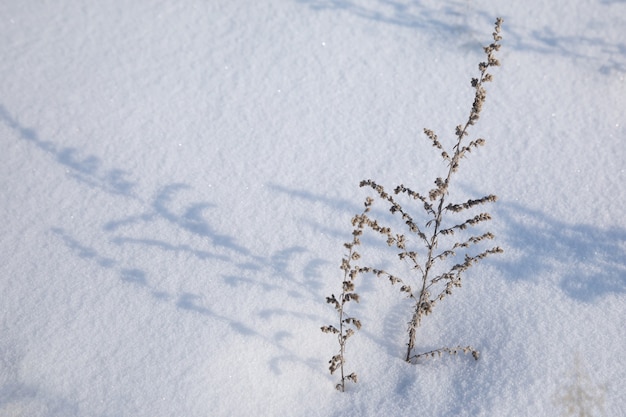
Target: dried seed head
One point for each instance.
(348, 286)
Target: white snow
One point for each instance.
(178, 177)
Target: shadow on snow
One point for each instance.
(450, 21)
(287, 272)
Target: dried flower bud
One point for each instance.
(329, 329)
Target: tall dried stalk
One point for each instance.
(437, 273)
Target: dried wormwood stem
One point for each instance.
(432, 287)
(424, 304)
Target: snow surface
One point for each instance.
(178, 179)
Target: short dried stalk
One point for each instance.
(347, 324)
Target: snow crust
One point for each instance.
(177, 181)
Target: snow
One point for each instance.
(178, 178)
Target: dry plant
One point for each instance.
(581, 397)
(431, 246)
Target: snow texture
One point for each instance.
(178, 177)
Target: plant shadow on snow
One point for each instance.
(197, 236)
(451, 21)
(588, 260)
(88, 169)
(443, 21)
(190, 221)
(255, 274)
(18, 398)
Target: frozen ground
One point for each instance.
(177, 180)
